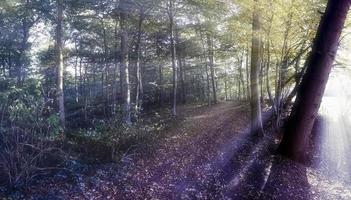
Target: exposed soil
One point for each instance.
(209, 155)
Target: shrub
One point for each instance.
(28, 133)
(24, 156)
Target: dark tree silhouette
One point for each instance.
(298, 128)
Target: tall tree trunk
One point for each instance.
(261, 73)
(226, 86)
(124, 63)
(202, 82)
(268, 87)
(240, 89)
(80, 88)
(241, 76)
(160, 87)
(139, 86)
(115, 69)
(182, 80)
(86, 91)
(206, 71)
(181, 77)
(173, 56)
(268, 64)
(76, 73)
(256, 117)
(299, 125)
(208, 86)
(59, 62)
(248, 92)
(105, 72)
(180, 60)
(211, 59)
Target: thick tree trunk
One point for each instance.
(256, 118)
(299, 125)
(59, 63)
(124, 64)
(173, 57)
(211, 59)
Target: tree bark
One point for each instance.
(160, 87)
(139, 85)
(226, 86)
(115, 69)
(211, 59)
(268, 86)
(241, 76)
(298, 128)
(256, 118)
(206, 71)
(173, 56)
(59, 62)
(261, 73)
(124, 64)
(105, 72)
(182, 80)
(76, 74)
(248, 92)
(180, 60)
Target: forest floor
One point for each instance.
(208, 154)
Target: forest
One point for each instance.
(175, 99)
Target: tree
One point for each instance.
(211, 63)
(298, 128)
(255, 104)
(59, 62)
(139, 85)
(173, 55)
(181, 65)
(125, 85)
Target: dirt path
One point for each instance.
(190, 162)
(185, 163)
(208, 155)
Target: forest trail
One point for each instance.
(198, 158)
(207, 154)
(186, 162)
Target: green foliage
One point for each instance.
(25, 108)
